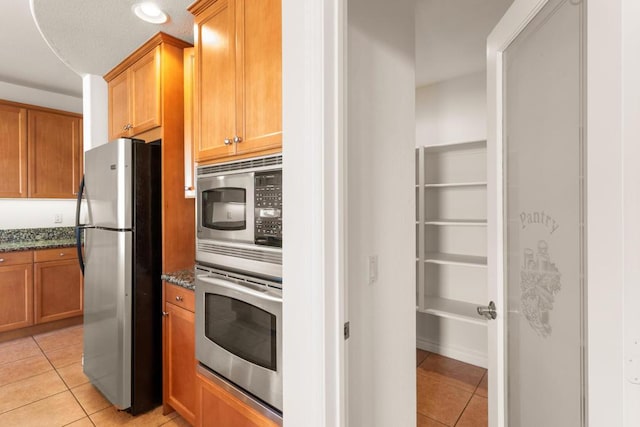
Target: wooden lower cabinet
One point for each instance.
(16, 301)
(218, 406)
(58, 287)
(179, 352)
(38, 287)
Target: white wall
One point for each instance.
(18, 213)
(95, 111)
(42, 98)
(380, 213)
(36, 213)
(453, 110)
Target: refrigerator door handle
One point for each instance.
(79, 227)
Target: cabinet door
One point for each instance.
(54, 144)
(259, 71)
(16, 304)
(13, 151)
(215, 81)
(217, 407)
(58, 290)
(119, 106)
(145, 93)
(179, 361)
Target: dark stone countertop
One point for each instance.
(25, 239)
(184, 278)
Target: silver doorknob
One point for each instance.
(227, 141)
(237, 139)
(489, 311)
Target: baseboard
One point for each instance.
(464, 355)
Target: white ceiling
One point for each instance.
(451, 36)
(92, 36)
(26, 60)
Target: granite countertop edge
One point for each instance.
(183, 278)
(32, 245)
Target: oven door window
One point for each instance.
(242, 329)
(224, 208)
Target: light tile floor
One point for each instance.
(450, 393)
(42, 385)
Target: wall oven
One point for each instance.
(239, 330)
(239, 216)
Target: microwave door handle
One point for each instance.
(240, 288)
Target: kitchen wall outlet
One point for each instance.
(57, 218)
(373, 269)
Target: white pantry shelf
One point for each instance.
(454, 259)
(456, 184)
(458, 222)
(452, 309)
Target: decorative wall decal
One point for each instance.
(539, 283)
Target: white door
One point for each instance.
(536, 211)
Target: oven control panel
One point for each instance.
(268, 208)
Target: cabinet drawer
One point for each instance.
(15, 258)
(55, 254)
(180, 296)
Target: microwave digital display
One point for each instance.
(224, 208)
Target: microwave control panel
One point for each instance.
(268, 208)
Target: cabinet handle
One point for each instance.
(179, 298)
(165, 313)
(61, 253)
(237, 139)
(1, 259)
(227, 141)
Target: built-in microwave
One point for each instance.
(239, 216)
(239, 331)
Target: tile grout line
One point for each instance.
(462, 412)
(31, 403)
(33, 375)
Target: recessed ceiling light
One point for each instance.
(149, 12)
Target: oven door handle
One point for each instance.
(247, 289)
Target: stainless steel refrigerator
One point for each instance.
(122, 266)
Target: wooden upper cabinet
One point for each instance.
(259, 63)
(55, 154)
(215, 82)
(134, 94)
(13, 151)
(119, 106)
(146, 112)
(238, 90)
